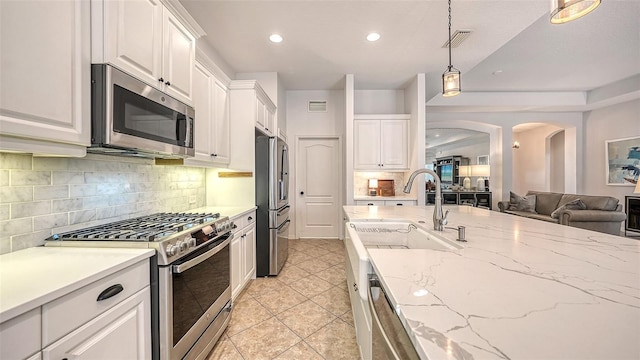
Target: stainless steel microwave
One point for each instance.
(129, 117)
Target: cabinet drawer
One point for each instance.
(122, 332)
(20, 336)
(400, 202)
(67, 313)
(239, 223)
(249, 218)
(370, 202)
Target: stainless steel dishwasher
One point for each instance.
(389, 338)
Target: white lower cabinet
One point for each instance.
(109, 318)
(123, 332)
(243, 252)
(20, 336)
(37, 356)
(387, 202)
(360, 309)
(401, 202)
(370, 202)
(249, 264)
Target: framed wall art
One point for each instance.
(623, 161)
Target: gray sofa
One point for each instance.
(602, 213)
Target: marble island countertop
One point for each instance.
(519, 289)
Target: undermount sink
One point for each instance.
(399, 235)
(364, 235)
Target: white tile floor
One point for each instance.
(303, 313)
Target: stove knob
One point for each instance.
(192, 243)
(172, 250)
(182, 245)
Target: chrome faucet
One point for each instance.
(439, 220)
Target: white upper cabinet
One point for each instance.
(211, 102)
(265, 114)
(144, 39)
(203, 104)
(250, 107)
(381, 142)
(128, 34)
(221, 147)
(179, 50)
(45, 78)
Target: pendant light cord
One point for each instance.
(450, 35)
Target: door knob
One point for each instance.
(301, 192)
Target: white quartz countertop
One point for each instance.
(230, 211)
(520, 288)
(32, 277)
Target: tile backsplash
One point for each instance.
(43, 196)
(361, 181)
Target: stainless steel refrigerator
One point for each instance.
(272, 199)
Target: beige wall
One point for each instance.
(300, 122)
(613, 122)
(556, 174)
(531, 160)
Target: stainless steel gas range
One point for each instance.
(191, 275)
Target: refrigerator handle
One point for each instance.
(284, 176)
(283, 209)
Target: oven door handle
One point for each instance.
(177, 269)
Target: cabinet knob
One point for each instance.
(168, 83)
(214, 155)
(301, 192)
(370, 204)
(161, 80)
(250, 218)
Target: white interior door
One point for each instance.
(319, 179)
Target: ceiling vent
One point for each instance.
(457, 38)
(318, 106)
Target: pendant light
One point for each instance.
(451, 77)
(563, 11)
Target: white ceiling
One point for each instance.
(323, 40)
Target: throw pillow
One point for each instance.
(576, 204)
(522, 203)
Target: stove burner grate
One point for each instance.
(144, 229)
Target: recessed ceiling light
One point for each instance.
(374, 36)
(497, 72)
(275, 38)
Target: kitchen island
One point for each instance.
(519, 288)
